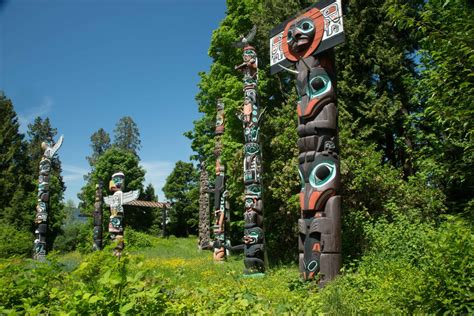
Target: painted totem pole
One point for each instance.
(306, 41)
(204, 219)
(97, 215)
(220, 193)
(116, 202)
(41, 220)
(250, 117)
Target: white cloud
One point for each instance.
(156, 174)
(73, 173)
(26, 118)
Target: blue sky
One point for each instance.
(87, 63)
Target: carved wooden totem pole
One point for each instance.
(306, 41)
(116, 202)
(97, 216)
(250, 117)
(41, 219)
(204, 219)
(220, 193)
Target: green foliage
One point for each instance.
(101, 284)
(100, 142)
(127, 135)
(16, 180)
(444, 92)
(74, 236)
(411, 267)
(19, 161)
(138, 240)
(107, 159)
(182, 189)
(14, 242)
(110, 162)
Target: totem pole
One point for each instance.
(204, 219)
(306, 41)
(41, 220)
(97, 215)
(220, 193)
(116, 202)
(250, 117)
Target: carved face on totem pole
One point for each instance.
(300, 35)
(117, 183)
(316, 30)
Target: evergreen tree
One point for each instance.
(16, 182)
(127, 135)
(100, 142)
(182, 189)
(144, 218)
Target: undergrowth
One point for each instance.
(410, 267)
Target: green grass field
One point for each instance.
(170, 276)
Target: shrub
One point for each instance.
(411, 267)
(137, 239)
(74, 236)
(14, 242)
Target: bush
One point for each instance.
(14, 243)
(410, 267)
(100, 285)
(74, 236)
(137, 239)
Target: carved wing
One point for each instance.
(251, 34)
(238, 44)
(50, 153)
(244, 40)
(108, 200)
(130, 196)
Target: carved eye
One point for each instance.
(306, 27)
(290, 36)
(322, 174)
(318, 85)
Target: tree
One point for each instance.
(145, 218)
(127, 136)
(111, 161)
(445, 94)
(100, 142)
(16, 182)
(182, 189)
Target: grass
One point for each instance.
(194, 283)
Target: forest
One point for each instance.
(405, 95)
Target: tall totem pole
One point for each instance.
(250, 117)
(97, 216)
(220, 193)
(116, 202)
(204, 219)
(306, 41)
(41, 219)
